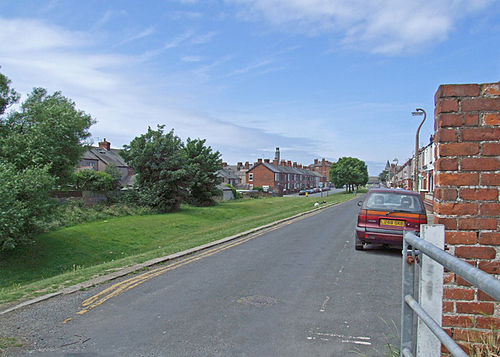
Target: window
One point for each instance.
(250, 176)
(276, 177)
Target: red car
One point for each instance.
(385, 213)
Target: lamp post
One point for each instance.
(417, 112)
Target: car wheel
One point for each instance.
(358, 245)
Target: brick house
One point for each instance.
(282, 178)
(97, 158)
(323, 168)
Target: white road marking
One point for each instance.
(323, 307)
(324, 336)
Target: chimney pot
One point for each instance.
(105, 144)
(247, 165)
(283, 163)
(266, 161)
(259, 161)
(315, 161)
(295, 164)
(289, 163)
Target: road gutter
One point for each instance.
(125, 271)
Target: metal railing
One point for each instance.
(410, 306)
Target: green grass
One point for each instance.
(6, 342)
(70, 255)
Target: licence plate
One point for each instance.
(392, 222)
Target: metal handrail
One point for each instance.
(476, 277)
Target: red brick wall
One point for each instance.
(467, 124)
(262, 176)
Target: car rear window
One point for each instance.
(393, 201)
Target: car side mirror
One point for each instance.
(360, 203)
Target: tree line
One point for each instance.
(42, 142)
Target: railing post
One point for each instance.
(430, 292)
(408, 272)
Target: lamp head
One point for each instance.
(417, 114)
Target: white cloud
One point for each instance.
(191, 59)
(388, 27)
(144, 33)
(124, 101)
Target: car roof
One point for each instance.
(394, 190)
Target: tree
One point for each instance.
(202, 165)
(349, 171)
(96, 181)
(383, 176)
(159, 161)
(47, 131)
(8, 96)
(25, 203)
(113, 171)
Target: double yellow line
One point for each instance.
(128, 284)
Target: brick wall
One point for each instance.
(467, 124)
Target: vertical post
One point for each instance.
(430, 287)
(408, 278)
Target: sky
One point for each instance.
(316, 78)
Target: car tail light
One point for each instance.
(362, 217)
(422, 219)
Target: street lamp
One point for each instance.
(417, 112)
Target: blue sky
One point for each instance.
(317, 78)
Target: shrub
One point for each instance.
(236, 194)
(71, 213)
(96, 181)
(25, 203)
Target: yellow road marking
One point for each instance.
(128, 284)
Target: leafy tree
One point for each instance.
(96, 181)
(159, 161)
(115, 174)
(202, 165)
(47, 131)
(383, 176)
(8, 96)
(350, 172)
(25, 203)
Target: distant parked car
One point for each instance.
(385, 213)
(316, 189)
(302, 192)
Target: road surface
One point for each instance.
(297, 290)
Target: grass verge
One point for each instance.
(71, 255)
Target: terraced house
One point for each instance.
(283, 177)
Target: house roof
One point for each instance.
(107, 156)
(286, 169)
(227, 173)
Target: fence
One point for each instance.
(429, 256)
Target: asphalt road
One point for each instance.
(300, 290)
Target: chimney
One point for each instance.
(224, 164)
(289, 163)
(259, 161)
(266, 161)
(277, 155)
(323, 162)
(105, 145)
(283, 163)
(239, 166)
(247, 165)
(295, 164)
(315, 161)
